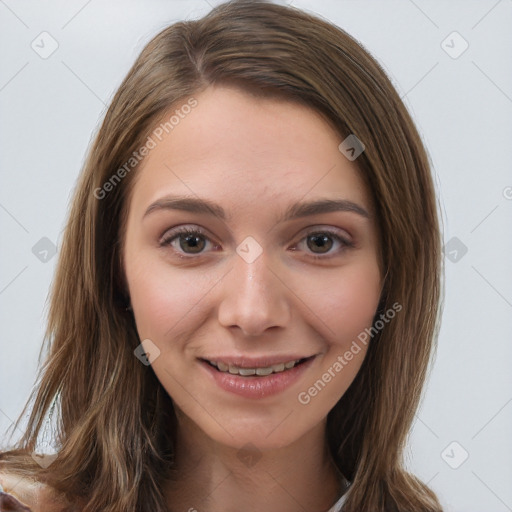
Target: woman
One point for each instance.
(247, 295)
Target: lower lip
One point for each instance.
(257, 387)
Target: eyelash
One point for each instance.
(174, 234)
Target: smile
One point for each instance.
(256, 379)
(260, 371)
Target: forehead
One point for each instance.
(246, 150)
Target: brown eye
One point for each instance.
(185, 241)
(324, 244)
(319, 242)
(193, 242)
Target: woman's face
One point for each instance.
(277, 261)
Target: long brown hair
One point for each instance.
(116, 424)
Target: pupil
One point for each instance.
(322, 242)
(194, 242)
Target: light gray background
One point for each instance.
(462, 106)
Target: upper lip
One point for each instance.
(255, 362)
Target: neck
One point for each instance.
(217, 478)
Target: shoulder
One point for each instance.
(27, 495)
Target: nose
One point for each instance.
(254, 297)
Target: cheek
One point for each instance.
(165, 300)
(344, 303)
(356, 304)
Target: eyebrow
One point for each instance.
(294, 211)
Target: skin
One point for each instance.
(253, 157)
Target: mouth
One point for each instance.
(256, 378)
(248, 369)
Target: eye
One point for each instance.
(321, 243)
(186, 240)
(193, 241)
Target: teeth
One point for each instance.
(223, 367)
(278, 367)
(264, 371)
(245, 372)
